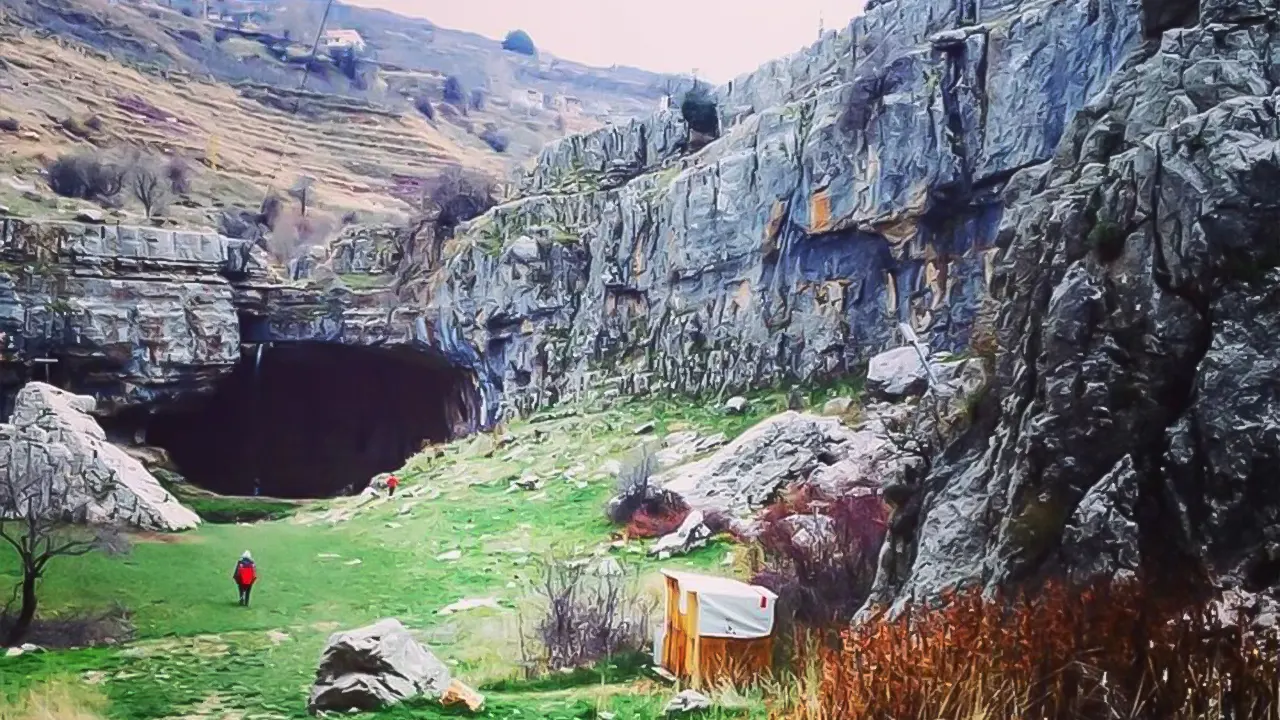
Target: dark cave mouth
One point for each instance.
(310, 420)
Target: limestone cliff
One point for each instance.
(854, 185)
(139, 316)
(1134, 426)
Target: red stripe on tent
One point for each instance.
(763, 601)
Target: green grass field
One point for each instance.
(197, 654)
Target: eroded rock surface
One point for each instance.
(855, 185)
(784, 450)
(1134, 422)
(52, 445)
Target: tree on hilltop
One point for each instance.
(518, 41)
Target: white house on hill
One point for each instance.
(340, 39)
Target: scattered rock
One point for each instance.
(681, 447)
(736, 405)
(527, 482)
(470, 604)
(838, 407)
(897, 373)
(693, 533)
(90, 215)
(375, 667)
(645, 429)
(809, 530)
(688, 701)
(356, 561)
(328, 556)
(525, 250)
(459, 693)
(449, 556)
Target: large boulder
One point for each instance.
(375, 667)
(53, 442)
(897, 373)
(783, 450)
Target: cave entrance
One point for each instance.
(309, 419)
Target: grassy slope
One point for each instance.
(195, 645)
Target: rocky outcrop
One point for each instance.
(854, 186)
(375, 667)
(782, 451)
(142, 316)
(53, 447)
(1133, 424)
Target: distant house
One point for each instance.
(342, 39)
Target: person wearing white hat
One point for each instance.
(245, 574)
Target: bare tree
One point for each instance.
(301, 191)
(35, 515)
(150, 185)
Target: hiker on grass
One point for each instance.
(393, 482)
(245, 574)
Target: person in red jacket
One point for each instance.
(245, 574)
(393, 482)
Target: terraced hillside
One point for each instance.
(95, 76)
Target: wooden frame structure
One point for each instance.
(690, 653)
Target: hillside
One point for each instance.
(93, 76)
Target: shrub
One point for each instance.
(495, 138)
(178, 172)
(149, 184)
(424, 106)
(477, 99)
(1108, 650)
(644, 508)
(698, 108)
(589, 612)
(454, 93)
(819, 555)
(292, 232)
(87, 176)
(518, 41)
(9, 124)
(82, 127)
(455, 196)
(1107, 240)
(240, 224)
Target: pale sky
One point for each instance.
(721, 38)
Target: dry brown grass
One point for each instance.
(1105, 652)
(245, 146)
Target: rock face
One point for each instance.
(854, 186)
(1133, 423)
(783, 450)
(375, 667)
(54, 444)
(140, 316)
